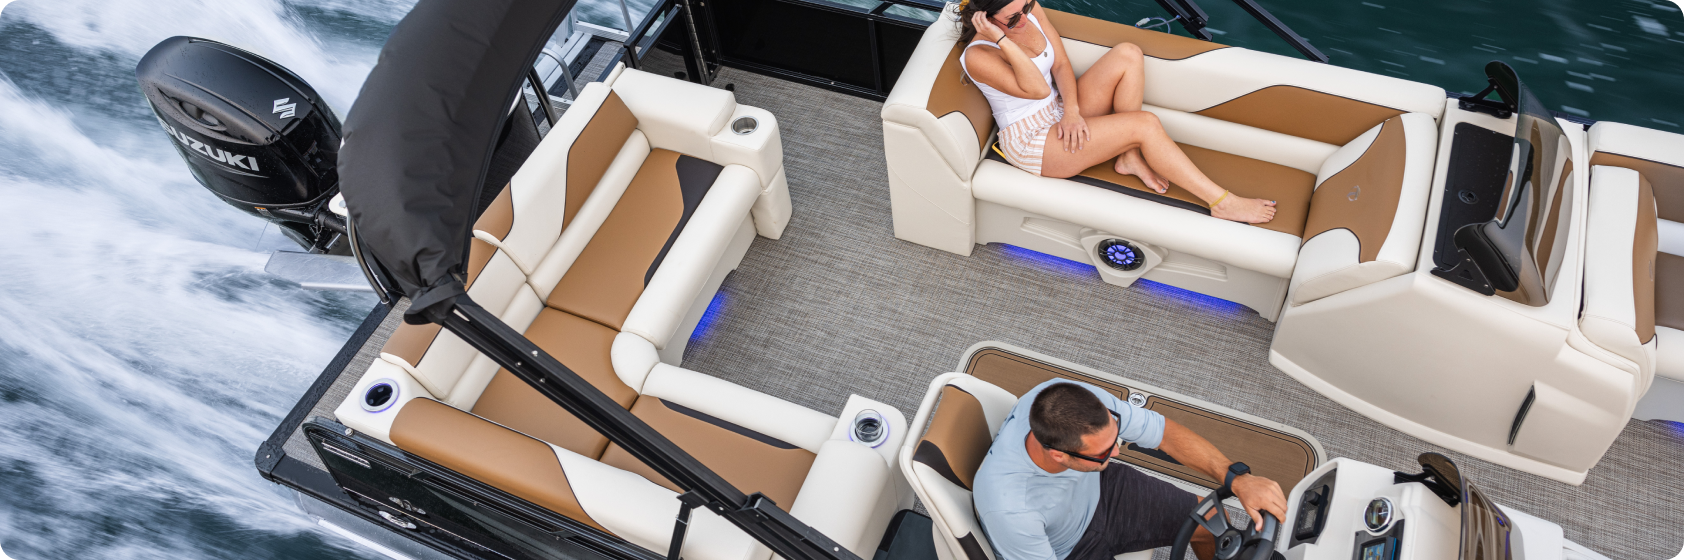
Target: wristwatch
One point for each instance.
(1234, 471)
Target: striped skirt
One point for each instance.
(1023, 142)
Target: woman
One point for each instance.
(1018, 62)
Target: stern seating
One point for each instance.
(1348, 155)
(1634, 255)
(604, 249)
(960, 415)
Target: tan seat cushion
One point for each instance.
(1243, 176)
(1669, 291)
(508, 461)
(610, 273)
(751, 461)
(581, 345)
(958, 438)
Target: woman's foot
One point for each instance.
(1244, 210)
(1131, 163)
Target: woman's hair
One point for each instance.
(967, 8)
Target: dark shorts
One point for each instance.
(1136, 512)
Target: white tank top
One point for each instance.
(1009, 108)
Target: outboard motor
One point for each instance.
(252, 132)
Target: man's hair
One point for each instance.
(1064, 412)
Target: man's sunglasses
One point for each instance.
(1108, 450)
(1018, 17)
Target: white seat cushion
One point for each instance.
(1620, 243)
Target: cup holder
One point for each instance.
(870, 428)
(744, 126)
(380, 395)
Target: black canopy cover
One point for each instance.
(420, 137)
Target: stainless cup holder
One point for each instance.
(744, 126)
(870, 428)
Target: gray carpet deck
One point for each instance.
(839, 306)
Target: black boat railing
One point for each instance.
(1194, 19)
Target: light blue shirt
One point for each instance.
(1031, 514)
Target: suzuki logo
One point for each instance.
(1356, 191)
(214, 154)
(286, 110)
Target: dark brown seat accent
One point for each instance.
(505, 459)
(1667, 180)
(583, 346)
(1290, 188)
(1645, 252)
(609, 275)
(751, 461)
(958, 438)
(1305, 113)
(1363, 197)
(1669, 291)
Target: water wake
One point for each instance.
(143, 352)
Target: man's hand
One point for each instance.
(1258, 494)
(1073, 131)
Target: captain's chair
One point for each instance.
(960, 415)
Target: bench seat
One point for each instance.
(602, 250)
(1347, 155)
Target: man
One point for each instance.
(1045, 492)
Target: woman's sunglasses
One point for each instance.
(1108, 451)
(1018, 17)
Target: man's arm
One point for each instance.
(1255, 492)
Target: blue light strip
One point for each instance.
(1066, 266)
(1055, 264)
(716, 308)
(1191, 297)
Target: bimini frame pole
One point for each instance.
(755, 514)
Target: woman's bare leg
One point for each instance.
(1116, 134)
(1116, 83)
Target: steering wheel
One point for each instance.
(1231, 543)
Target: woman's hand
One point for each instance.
(1073, 131)
(985, 28)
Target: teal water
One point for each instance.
(1617, 60)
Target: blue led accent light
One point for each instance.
(1189, 296)
(716, 308)
(1056, 264)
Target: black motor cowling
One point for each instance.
(251, 131)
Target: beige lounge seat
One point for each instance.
(1348, 155)
(1634, 260)
(960, 415)
(604, 250)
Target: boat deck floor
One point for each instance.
(839, 306)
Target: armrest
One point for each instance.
(847, 496)
(781, 419)
(676, 115)
(1369, 209)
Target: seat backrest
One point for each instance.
(960, 415)
(1323, 103)
(1618, 312)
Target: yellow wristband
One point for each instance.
(1220, 198)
